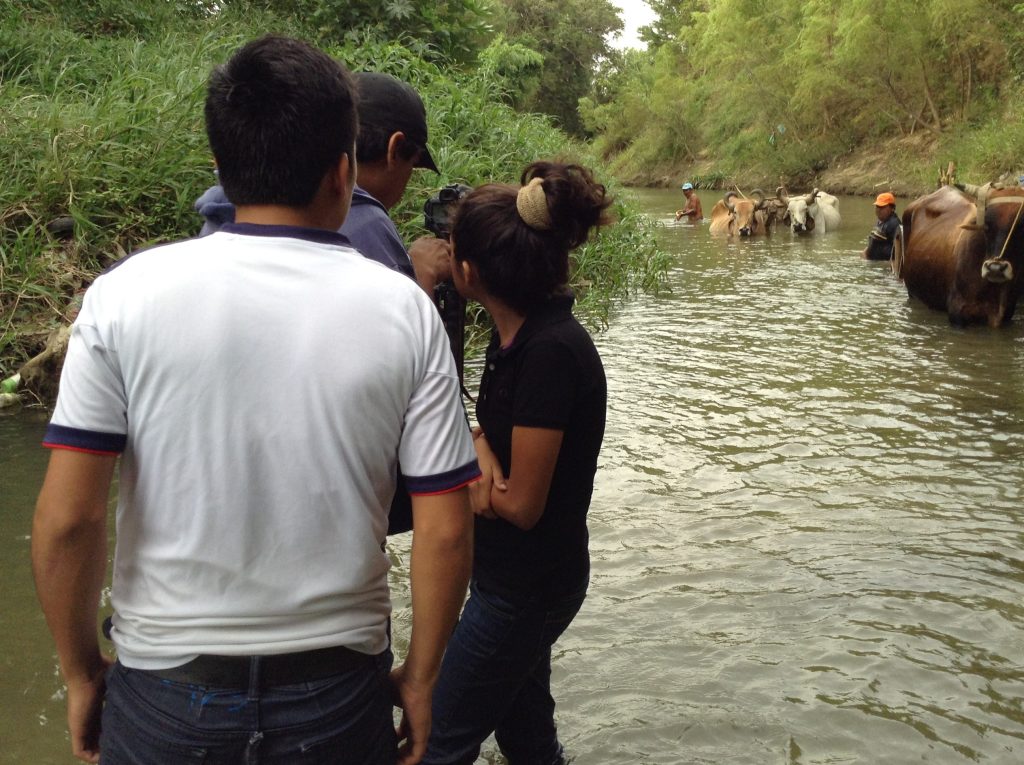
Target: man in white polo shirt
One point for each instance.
(260, 385)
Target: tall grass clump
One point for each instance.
(103, 133)
(985, 151)
(103, 136)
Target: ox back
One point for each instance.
(952, 264)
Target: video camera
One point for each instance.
(437, 216)
(437, 211)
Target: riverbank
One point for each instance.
(898, 165)
(907, 166)
(105, 151)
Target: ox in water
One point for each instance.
(816, 212)
(964, 251)
(735, 216)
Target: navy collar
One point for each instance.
(361, 196)
(316, 235)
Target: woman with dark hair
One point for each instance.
(541, 415)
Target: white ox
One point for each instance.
(815, 212)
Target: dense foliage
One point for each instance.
(570, 37)
(102, 124)
(788, 87)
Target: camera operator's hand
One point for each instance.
(431, 261)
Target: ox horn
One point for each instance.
(781, 193)
(969, 189)
(759, 196)
(728, 200)
(983, 193)
(980, 194)
(811, 196)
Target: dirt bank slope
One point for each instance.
(907, 166)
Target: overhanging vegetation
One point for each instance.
(103, 133)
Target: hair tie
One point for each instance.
(532, 204)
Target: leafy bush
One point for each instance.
(107, 130)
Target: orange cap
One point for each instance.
(882, 200)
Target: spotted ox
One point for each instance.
(964, 251)
(733, 216)
(816, 212)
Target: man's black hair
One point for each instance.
(279, 115)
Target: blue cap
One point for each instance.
(686, 186)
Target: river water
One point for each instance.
(807, 530)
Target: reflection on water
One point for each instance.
(807, 533)
(808, 529)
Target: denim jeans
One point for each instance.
(496, 677)
(346, 718)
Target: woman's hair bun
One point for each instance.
(576, 202)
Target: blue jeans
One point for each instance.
(345, 718)
(496, 677)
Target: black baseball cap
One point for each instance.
(388, 103)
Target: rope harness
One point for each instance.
(982, 196)
(1016, 220)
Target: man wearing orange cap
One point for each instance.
(886, 230)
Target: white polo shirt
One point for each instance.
(261, 384)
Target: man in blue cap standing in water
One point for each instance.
(692, 211)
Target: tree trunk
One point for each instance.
(969, 95)
(915, 119)
(40, 375)
(936, 120)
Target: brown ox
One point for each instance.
(741, 217)
(965, 257)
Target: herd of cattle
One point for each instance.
(815, 212)
(961, 248)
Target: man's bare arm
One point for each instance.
(442, 554)
(69, 560)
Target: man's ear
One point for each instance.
(470, 275)
(394, 144)
(343, 175)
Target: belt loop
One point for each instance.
(254, 678)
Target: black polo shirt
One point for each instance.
(551, 376)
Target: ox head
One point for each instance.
(1000, 217)
(800, 212)
(743, 212)
(989, 257)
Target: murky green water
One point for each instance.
(807, 533)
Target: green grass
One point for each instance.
(107, 129)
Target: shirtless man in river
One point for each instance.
(693, 210)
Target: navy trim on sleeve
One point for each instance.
(443, 482)
(85, 440)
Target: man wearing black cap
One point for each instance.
(392, 143)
